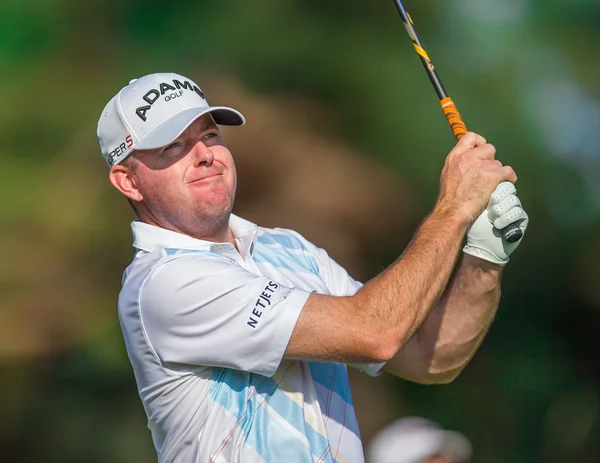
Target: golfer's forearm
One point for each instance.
(398, 301)
(463, 315)
(456, 326)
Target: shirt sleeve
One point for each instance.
(205, 310)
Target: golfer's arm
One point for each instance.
(447, 340)
(384, 314)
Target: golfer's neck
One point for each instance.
(214, 232)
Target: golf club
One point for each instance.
(512, 232)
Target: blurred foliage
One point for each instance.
(523, 74)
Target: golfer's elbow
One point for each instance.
(445, 377)
(447, 362)
(382, 353)
(423, 374)
(424, 363)
(382, 345)
(380, 339)
(444, 370)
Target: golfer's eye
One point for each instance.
(210, 135)
(172, 146)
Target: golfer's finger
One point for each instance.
(484, 152)
(502, 191)
(503, 207)
(508, 174)
(512, 216)
(469, 141)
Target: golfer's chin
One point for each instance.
(215, 208)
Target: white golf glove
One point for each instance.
(484, 238)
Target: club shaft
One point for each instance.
(459, 129)
(420, 49)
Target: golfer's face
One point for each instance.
(193, 176)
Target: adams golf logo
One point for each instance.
(169, 92)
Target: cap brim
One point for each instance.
(170, 129)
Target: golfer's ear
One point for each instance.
(123, 180)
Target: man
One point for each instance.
(239, 335)
(417, 440)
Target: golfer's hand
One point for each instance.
(470, 176)
(484, 239)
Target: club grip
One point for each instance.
(511, 233)
(453, 117)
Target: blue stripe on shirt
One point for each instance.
(281, 259)
(282, 243)
(332, 376)
(271, 441)
(293, 414)
(287, 240)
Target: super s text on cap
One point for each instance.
(151, 112)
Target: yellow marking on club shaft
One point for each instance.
(409, 18)
(410, 31)
(421, 52)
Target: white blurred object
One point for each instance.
(414, 440)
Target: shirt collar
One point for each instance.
(149, 238)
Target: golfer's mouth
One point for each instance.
(205, 178)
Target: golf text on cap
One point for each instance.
(119, 150)
(176, 91)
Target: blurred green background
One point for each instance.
(345, 142)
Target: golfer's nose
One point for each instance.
(202, 154)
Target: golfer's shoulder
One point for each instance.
(169, 266)
(284, 238)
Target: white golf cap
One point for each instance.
(151, 112)
(414, 439)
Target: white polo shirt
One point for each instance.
(206, 326)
